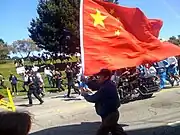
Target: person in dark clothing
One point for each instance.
(107, 102)
(2, 81)
(33, 88)
(13, 80)
(178, 58)
(53, 78)
(70, 80)
(58, 76)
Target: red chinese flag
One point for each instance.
(115, 37)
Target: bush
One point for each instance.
(3, 61)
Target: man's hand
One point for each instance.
(87, 91)
(84, 92)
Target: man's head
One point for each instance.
(15, 123)
(104, 74)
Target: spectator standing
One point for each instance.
(25, 80)
(13, 80)
(49, 75)
(58, 77)
(2, 80)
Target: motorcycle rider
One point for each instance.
(161, 67)
(149, 70)
(173, 69)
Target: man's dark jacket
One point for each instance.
(106, 99)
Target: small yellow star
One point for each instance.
(118, 19)
(98, 18)
(112, 11)
(121, 27)
(117, 33)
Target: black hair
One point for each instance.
(15, 123)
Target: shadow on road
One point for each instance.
(72, 98)
(136, 99)
(26, 105)
(170, 87)
(90, 128)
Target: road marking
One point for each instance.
(173, 123)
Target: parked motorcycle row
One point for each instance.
(132, 85)
(143, 81)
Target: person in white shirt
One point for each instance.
(40, 77)
(114, 77)
(79, 75)
(149, 71)
(173, 69)
(25, 80)
(49, 75)
(172, 61)
(35, 68)
(41, 84)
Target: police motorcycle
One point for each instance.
(132, 85)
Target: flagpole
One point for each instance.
(81, 34)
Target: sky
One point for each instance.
(15, 16)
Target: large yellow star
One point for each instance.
(98, 18)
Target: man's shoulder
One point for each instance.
(109, 85)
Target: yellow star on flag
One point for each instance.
(112, 11)
(117, 19)
(98, 18)
(117, 33)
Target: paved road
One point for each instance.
(159, 115)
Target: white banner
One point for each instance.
(20, 70)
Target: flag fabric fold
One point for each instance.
(115, 37)
(156, 26)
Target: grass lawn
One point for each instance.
(9, 67)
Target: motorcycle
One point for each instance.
(133, 86)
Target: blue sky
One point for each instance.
(17, 14)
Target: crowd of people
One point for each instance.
(106, 102)
(166, 70)
(33, 82)
(106, 99)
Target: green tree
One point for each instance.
(4, 50)
(56, 29)
(24, 47)
(175, 40)
(179, 38)
(114, 1)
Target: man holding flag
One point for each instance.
(114, 37)
(107, 102)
